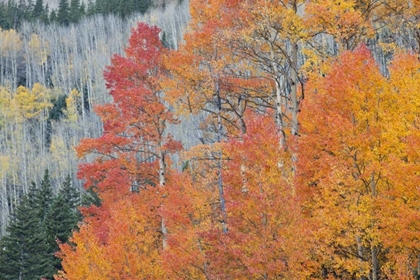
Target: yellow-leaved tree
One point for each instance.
(32, 103)
(358, 166)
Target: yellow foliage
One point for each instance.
(10, 42)
(4, 164)
(360, 139)
(5, 99)
(40, 48)
(71, 105)
(32, 103)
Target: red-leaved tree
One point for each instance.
(128, 171)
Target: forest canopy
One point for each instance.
(271, 142)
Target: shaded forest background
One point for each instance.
(13, 13)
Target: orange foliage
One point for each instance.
(356, 169)
(341, 203)
(126, 233)
(263, 214)
(130, 249)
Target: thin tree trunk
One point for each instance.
(360, 254)
(279, 110)
(293, 93)
(162, 179)
(375, 261)
(219, 162)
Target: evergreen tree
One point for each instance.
(38, 9)
(63, 14)
(106, 7)
(53, 16)
(43, 198)
(143, 5)
(39, 222)
(44, 15)
(91, 8)
(90, 197)
(82, 10)
(62, 218)
(23, 253)
(75, 13)
(71, 195)
(59, 104)
(4, 19)
(13, 14)
(25, 9)
(126, 8)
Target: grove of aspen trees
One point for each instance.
(219, 139)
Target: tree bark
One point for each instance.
(293, 93)
(162, 181)
(219, 162)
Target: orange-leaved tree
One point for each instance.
(358, 169)
(265, 230)
(203, 83)
(129, 168)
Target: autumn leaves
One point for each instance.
(293, 180)
(354, 158)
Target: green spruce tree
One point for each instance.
(13, 14)
(61, 220)
(143, 5)
(39, 222)
(44, 15)
(4, 20)
(38, 9)
(90, 198)
(75, 13)
(91, 8)
(24, 250)
(53, 16)
(71, 195)
(63, 15)
(43, 198)
(82, 10)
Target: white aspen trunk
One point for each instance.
(293, 93)
(24, 159)
(4, 206)
(162, 179)
(219, 161)
(278, 99)
(359, 251)
(375, 261)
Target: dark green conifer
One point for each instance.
(43, 198)
(143, 5)
(91, 8)
(38, 9)
(75, 13)
(62, 218)
(71, 195)
(4, 20)
(39, 222)
(53, 16)
(24, 250)
(13, 14)
(82, 10)
(63, 15)
(44, 15)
